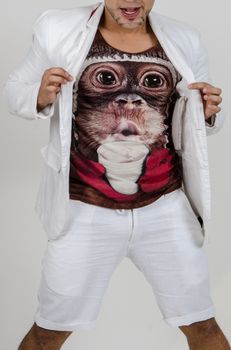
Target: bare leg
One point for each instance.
(43, 339)
(205, 335)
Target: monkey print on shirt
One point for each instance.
(122, 154)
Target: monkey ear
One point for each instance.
(175, 95)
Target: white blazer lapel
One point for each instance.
(76, 57)
(171, 50)
(85, 40)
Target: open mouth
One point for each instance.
(127, 128)
(130, 12)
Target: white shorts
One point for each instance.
(163, 239)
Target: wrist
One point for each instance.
(211, 120)
(40, 106)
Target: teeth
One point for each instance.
(130, 10)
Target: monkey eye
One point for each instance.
(153, 81)
(106, 78)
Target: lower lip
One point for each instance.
(131, 15)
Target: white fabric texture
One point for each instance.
(165, 242)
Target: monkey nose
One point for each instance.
(129, 100)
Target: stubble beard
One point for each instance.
(128, 24)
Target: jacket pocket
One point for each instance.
(177, 121)
(51, 157)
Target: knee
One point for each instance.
(203, 329)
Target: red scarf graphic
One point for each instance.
(155, 174)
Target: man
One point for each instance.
(126, 174)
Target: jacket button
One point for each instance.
(120, 211)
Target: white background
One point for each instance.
(129, 317)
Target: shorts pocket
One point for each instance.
(199, 229)
(79, 216)
(81, 212)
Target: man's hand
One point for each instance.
(50, 86)
(211, 97)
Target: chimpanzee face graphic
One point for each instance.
(123, 100)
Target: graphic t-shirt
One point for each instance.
(122, 155)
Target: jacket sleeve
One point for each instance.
(22, 86)
(201, 72)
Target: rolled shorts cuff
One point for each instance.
(191, 318)
(41, 322)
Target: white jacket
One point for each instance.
(62, 38)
